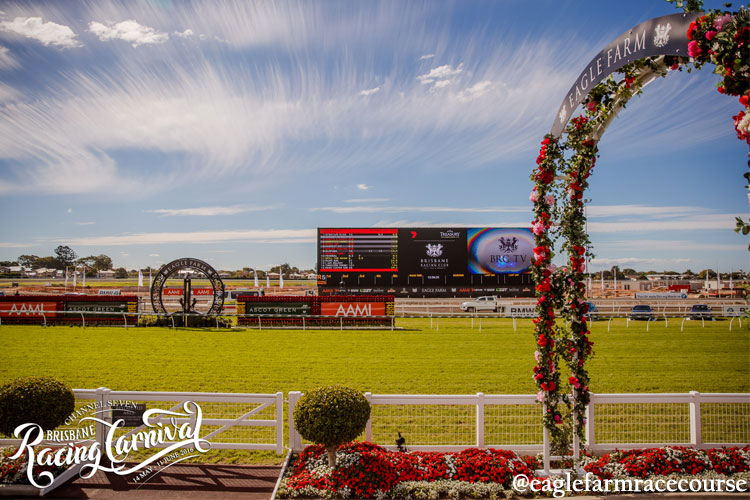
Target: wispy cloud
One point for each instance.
(209, 211)
(7, 61)
(631, 261)
(426, 56)
(370, 91)
(287, 236)
(419, 209)
(367, 200)
(48, 33)
(669, 245)
(130, 31)
(87, 223)
(363, 187)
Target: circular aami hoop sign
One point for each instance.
(168, 270)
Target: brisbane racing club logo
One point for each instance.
(661, 35)
(508, 246)
(435, 250)
(499, 250)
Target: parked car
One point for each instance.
(593, 313)
(641, 311)
(700, 311)
(488, 303)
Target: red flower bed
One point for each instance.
(670, 460)
(365, 469)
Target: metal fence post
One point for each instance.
(696, 437)
(368, 427)
(279, 423)
(480, 420)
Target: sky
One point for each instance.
(229, 130)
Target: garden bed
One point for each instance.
(366, 470)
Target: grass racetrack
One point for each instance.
(454, 359)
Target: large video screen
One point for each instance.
(425, 250)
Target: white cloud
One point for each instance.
(288, 236)
(691, 223)
(48, 33)
(208, 211)
(426, 56)
(601, 211)
(70, 210)
(7, 61)
(8, 93)
(363, 187)
(89, 223)
(627, 261)
(154, 255)
(184, 34)
(475, 91)
(366, 200)
(440, 73)
(419, 209)
(370, 91)
(129, 31)
(650, 245)
(441, 83)
(5, 244)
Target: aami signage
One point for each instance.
(353, 309)
(197, 292)
(24, 309)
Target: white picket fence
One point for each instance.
(229, 421)
(452, 422)
(513, 422)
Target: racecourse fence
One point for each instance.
(430, 422)
(472, 320)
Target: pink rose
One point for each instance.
(540, 396)
(550, 199)
(720, 21)
(694, 49)
(533, 197)
(710, 35)
(538, 229)
(537, 354)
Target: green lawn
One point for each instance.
(453, 360)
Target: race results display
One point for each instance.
(366, 250)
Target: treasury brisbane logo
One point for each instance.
(177, 433)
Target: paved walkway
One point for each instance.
(188, 481)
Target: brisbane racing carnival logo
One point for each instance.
(499, 250)
(96, 438)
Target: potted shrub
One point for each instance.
(331, 416)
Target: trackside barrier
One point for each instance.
(305, 322)
(511, 422)
(229, 421)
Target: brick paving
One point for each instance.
(188, 481)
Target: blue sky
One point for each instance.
(229, 131)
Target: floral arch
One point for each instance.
(566, 160)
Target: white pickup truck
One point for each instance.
(480, 304)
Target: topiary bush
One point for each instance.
(39, 400)
(331, 416)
